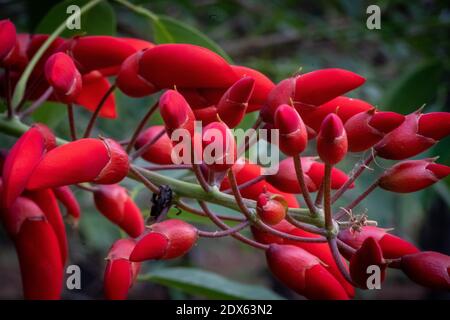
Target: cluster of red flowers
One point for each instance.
(310, 258)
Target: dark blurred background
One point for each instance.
(406, 64)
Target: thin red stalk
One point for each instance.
(246, 184)
(327, 198)
(141, 126)
(301, 181)
(30, 89)
(355, 202)
(94, 116)
(223, 233)
(360, 169)
(73, 130)
(345, 247)
(37, 103)
(338, 259)
(152, 187)
(305, 226)
(319, 196)
(185, 206)
(200, 177)
(9, 107)
(145, 147)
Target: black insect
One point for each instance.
(161, 203)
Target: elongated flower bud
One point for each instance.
(368, 255)
(120, 273)
(428, 268)
(285, 179)
(366, 129)
(102, 161)
(160, 151)
(8, 36)
(115, 204)
(37, 249)
(207, 115)
(293, 134)
(303, 273)
(63, 76)
(68, 200)
(413, 175)
(332, 140)
(219, 146)
(416, 134)
(233, 104)
(393, 247)
(165, 240)
(176, 112)
(271, 208)
(130, 82)
(21, 161)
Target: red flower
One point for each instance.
(176, 112)
(115, 204)
(160, 151)
(120, 273)
(271, 208)
(332, 140)
(68, 200)
(413, 175)
(8, 36)
(219, 147)
(293, 134)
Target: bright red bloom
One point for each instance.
(120, 273)
(219, 147)
(332, 140)
(293, 134)
(413, 175)
(74, 163)
(303, 273)
(115, 204)
(8, 36)
(271, 208)
(165, 240)
(160, 151)
(176, 112)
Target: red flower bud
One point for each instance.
(366, 129)
(414, 135)
(303, 273)
(63, 76)
(233, 104)
(271, 208)
(120, 273)
(176, 112)
(286, 180)
(95, 86)
(115, 204)
(428, 268)
(160, 151)
(164, 66)
(206, 115)
(130, 82)
(369, 254)
(413, 175)
(8, 36)
(332, 140)
(102, 161)
(17, 59)
(37, 249)
(22, 159)
(393, 247)
(165, 240)
(293, 134)
(219, 146)
(68, 200)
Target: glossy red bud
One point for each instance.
(206, 115)
(120, 273)
(17, 59)
(332, 140)
(165, 240)
(435, 125)
(164, 66)
(176, 112)
(102, 161)
(282, 93)
(393, 247)
(219, 146)
(366, 129)
(37, 249)
(271, 208)
(413, 175)
(160, 151)
(428, 268)
(20, 163)
(293, 134)
(233, 104)
(8, 36)
(369, 254)
(67, 198)
(130, 82)
(303, 273)
(115, 204)
(63, 76)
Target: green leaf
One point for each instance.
(208, 284)
(100, 20)
(182, 33)
(50, 113)
(415, 88)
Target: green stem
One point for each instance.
(22, 83)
